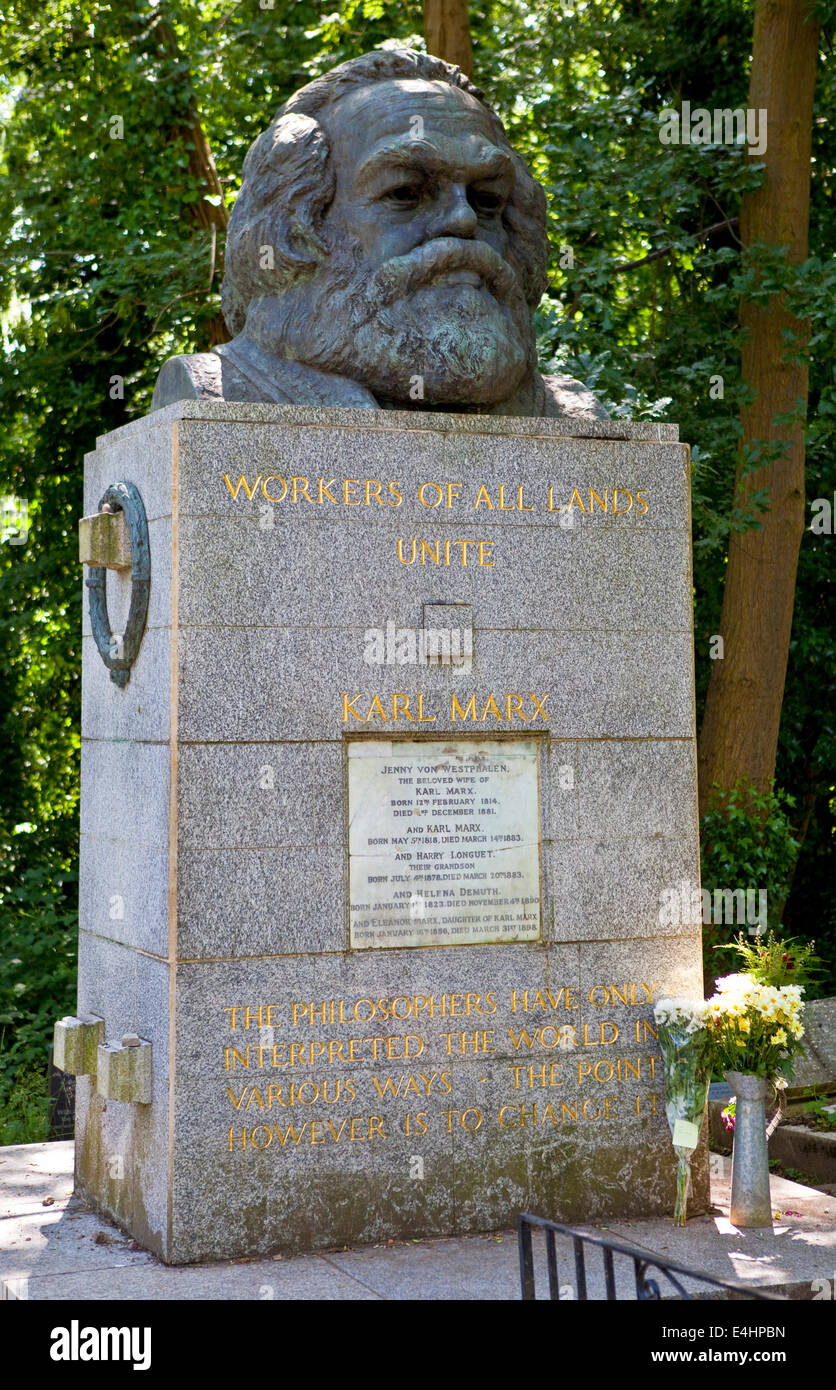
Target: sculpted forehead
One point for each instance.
(382, 114)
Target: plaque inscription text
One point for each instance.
(444, 842)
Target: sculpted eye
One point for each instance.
(485, 202)
(405, 195)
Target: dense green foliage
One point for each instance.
(746, 842)
(105, 272)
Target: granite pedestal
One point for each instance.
(375, 837)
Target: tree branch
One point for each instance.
(665, 250)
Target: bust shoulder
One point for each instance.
(189, 377)
(570, 399)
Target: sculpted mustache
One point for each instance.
(404, 275)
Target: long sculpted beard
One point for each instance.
(405, 332)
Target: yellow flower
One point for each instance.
(779, 1036)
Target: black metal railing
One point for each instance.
(643, 1263)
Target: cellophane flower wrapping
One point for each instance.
(684, 1043)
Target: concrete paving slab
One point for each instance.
(64, 1240)
(467, 1269)
(30, 1173)
(800, 1247)
(65, 1252)
(306, 1278)
(480, 1268)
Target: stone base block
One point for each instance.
(124, 1072)
(390, 922)
(75, 1044)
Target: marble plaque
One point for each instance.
(444, 842)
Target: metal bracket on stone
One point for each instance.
(124, 1070)
(75, 1044)
(447, 635)
(116, 537)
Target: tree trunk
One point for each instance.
(447, 32)
(739, 736)
(213, 216)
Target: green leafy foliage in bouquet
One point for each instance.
(772, 960)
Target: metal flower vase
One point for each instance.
(750, 1199)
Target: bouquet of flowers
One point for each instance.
(751, 1030)
(684, 1041)
(755, 1028)
(755, 1018)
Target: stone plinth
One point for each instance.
(531, 784)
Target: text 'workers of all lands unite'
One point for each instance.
(410, 550)
(291, 1110)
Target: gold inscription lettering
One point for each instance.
(400, 699)
(513, 704)
(490, 705)
(456, 710)
(539, 704)
(242, 483)
(348, 707)
(303, 488)
(422, 498)
(424, 718)
(274, 478)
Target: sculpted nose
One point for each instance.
(454, 215)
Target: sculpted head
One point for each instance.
(386, 232)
